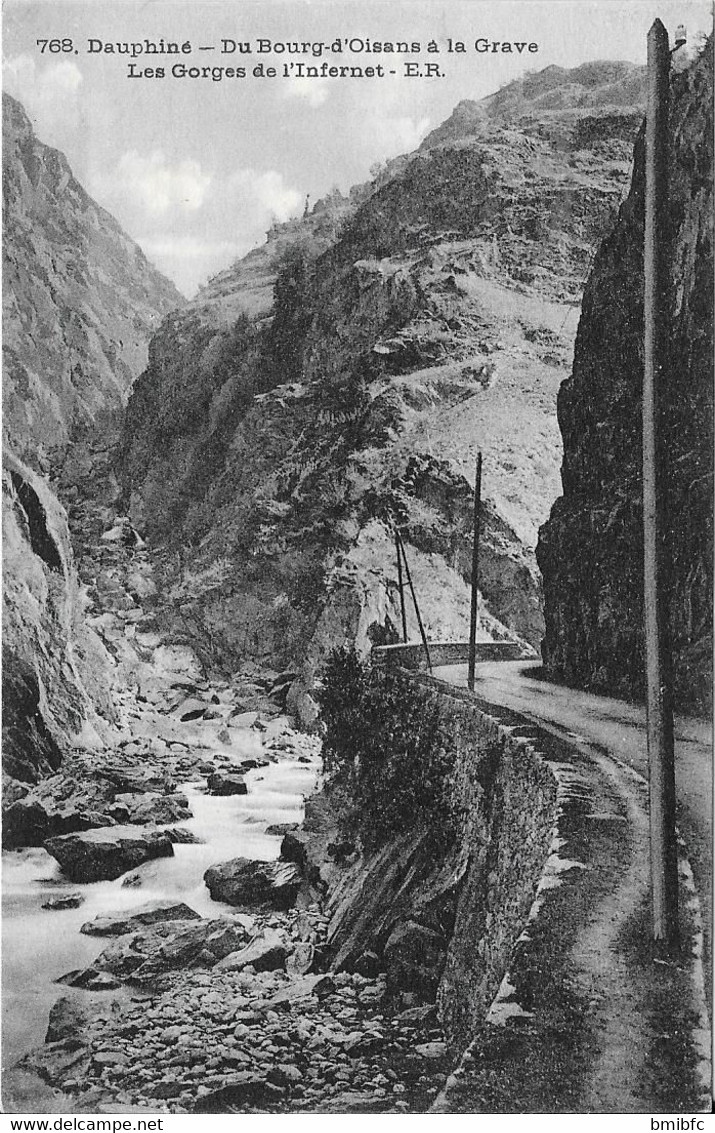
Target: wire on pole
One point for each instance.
(401, 585)
(474, 610)
(423, 635)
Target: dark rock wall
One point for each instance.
(590, 550)
(54, 667)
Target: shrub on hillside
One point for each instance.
(382, 753)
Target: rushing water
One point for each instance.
(40, 944)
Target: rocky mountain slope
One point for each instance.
(274, 441)
(80, 302)
(590, 551)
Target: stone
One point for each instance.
(66, 901)
(266, 953)
(243, 719)
(105, 854)
(432, 1051)
(294, 847)
(57, 1061)
(30, 821)
(190, 709)
(149, 807)
(282, 828)
(68, 1018)
(297, 991)
(242, 881)
(117, 924)
(418, 1016)
(284, 1074)
(183, 837)
(368, 964)
(221, 783)
(85, 978)
(352, 1101)
(110, 1058)
(103, 982)
(301, 959)
(324, 987)
(245, 1089)
(167, 945)
(414, 958)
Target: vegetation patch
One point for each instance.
(382, 754)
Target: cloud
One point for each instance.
(402, 134)
(190, 260)
(264, 196)
(313, 91)
(241, 208)
(49, 93)
(154, 185)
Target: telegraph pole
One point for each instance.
(474, 613)
(659, 681)
(401, 585)
(423, 635)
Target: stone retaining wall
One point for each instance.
(411, 655)
(505, 794)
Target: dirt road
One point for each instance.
(617, 729)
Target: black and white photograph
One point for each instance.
(357, 668)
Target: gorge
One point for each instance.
(200, 500)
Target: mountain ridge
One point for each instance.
(80, 298)
(428, 324)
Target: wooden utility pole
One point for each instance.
(659, 681)
(423, 635)
(401, 584)
(474, 614)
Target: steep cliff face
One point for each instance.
(590, 551)
(53, 666)
(80, 300)
(269, 448)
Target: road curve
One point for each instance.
(617, 729)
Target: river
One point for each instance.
(39, 945)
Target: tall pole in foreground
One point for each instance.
(474, 615)
(659, 681)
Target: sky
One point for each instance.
(196, 170)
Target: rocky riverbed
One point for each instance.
(261, 1037)
(193, 969)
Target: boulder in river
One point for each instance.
(117, 924)
(30, 821)
(242, 881)
(282, 828)
(149, 807)
(89, 979)
(181, 836)
(68, 1019)
(107, 853)
(223, 783)
(65, 901)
